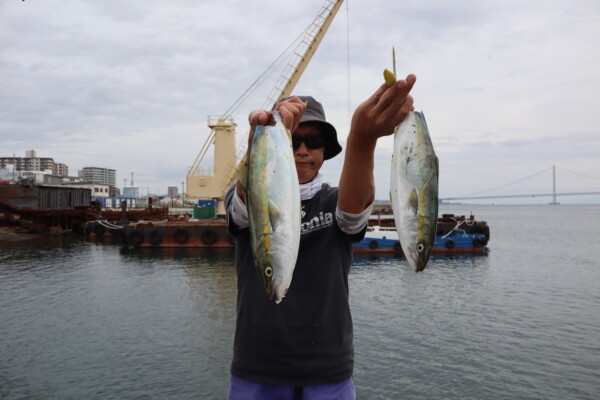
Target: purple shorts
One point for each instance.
(241, 389)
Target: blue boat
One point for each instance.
(459, 240)
(451, 237)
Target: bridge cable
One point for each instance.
(508, 184)
(578, 173)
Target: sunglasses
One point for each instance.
(313, 142)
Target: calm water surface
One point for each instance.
(81, 320)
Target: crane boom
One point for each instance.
(213, 184)
(306, 49)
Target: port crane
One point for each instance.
(207, 183)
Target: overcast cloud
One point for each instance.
(509, 88)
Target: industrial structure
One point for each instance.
(207, 183)
(34, 207)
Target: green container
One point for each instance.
(204, 212)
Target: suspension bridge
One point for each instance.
(554, 194)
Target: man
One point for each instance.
(302, 348)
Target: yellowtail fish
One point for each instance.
(273, 202)
(414, 189)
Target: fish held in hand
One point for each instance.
(273, 202)
(414, 189)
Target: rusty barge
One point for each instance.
(27, 207)
(36, 208)
(184, 233)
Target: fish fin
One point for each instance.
(242, 172)
(274, 215)
(413, 201)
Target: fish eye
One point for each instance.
(420, 247)
(269, 271)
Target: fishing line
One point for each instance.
(348, 57)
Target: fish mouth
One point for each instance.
(277, 301)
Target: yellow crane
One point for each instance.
(212, 183)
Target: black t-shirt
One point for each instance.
(306, 339)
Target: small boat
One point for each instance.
(454, 235)
(458, 240)
(379, 238)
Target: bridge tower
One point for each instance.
(554, 203)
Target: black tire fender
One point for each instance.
(99, 229)
(155, 237)
(208, 236)
(181, 236)
(89, 228)
(136, 238)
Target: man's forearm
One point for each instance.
(357, 185)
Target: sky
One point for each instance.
(509, 88)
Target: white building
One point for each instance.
(61, 169)
(28, 163)
(103, 176)
(98, 190)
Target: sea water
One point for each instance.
(79, 319)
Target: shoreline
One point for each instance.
(8, 234)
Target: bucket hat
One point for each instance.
(315, 113)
